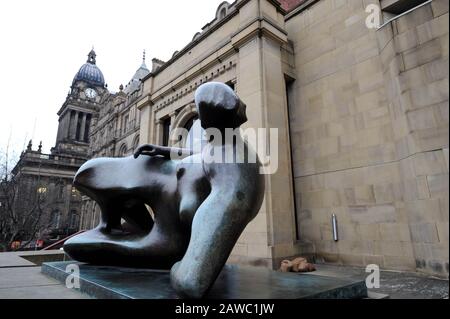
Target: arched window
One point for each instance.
(196, 139)
(123, 150)
(222, 10)
(190, 123)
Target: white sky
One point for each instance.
(43, 43)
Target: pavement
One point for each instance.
(30, 258)
(21, 278)
(29, 283)
(395, 284)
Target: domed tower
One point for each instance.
(87, 94)
(89, 73)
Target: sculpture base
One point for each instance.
(235, 282)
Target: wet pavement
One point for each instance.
(22, 279)
(397, 285)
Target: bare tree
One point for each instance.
(22, 204)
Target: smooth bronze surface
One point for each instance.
(200, 207)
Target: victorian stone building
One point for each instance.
(115, 131)
(93, 122)
(41, 191)
(362, 115)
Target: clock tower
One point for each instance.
(87, 94)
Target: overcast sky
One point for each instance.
(45, 42)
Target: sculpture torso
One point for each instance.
(193, 188)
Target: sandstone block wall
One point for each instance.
(369, 132)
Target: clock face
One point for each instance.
(90, 93)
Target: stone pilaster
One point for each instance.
(260, 83)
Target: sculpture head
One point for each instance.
(219, 107)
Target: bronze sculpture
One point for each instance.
(200, 208)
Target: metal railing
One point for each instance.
(61, 242)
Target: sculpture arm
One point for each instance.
(167, 152)
(235, 199)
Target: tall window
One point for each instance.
(73, 219)
(56, 219)
(127, 119)
(166, 131)
(60, 189)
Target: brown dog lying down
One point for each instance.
(297, 265)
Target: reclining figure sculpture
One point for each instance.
(200, 207)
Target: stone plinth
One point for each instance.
(235, 282)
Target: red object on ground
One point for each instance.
(15, 245)
(39, 243)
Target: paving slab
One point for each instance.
(29, 258)
(14, 260)
(395, 284)
(30, 283)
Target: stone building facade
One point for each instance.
(93, 122)
(45, 195)
(362, 116)
(114, 132)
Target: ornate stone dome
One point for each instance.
(90, 73)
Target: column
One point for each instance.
(60, 129)
(147, 129)
(159, 132)
(67, 125)
(261, 85)
(173, 117)
(83, 126)
(73, 126)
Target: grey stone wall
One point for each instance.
(370, 135)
